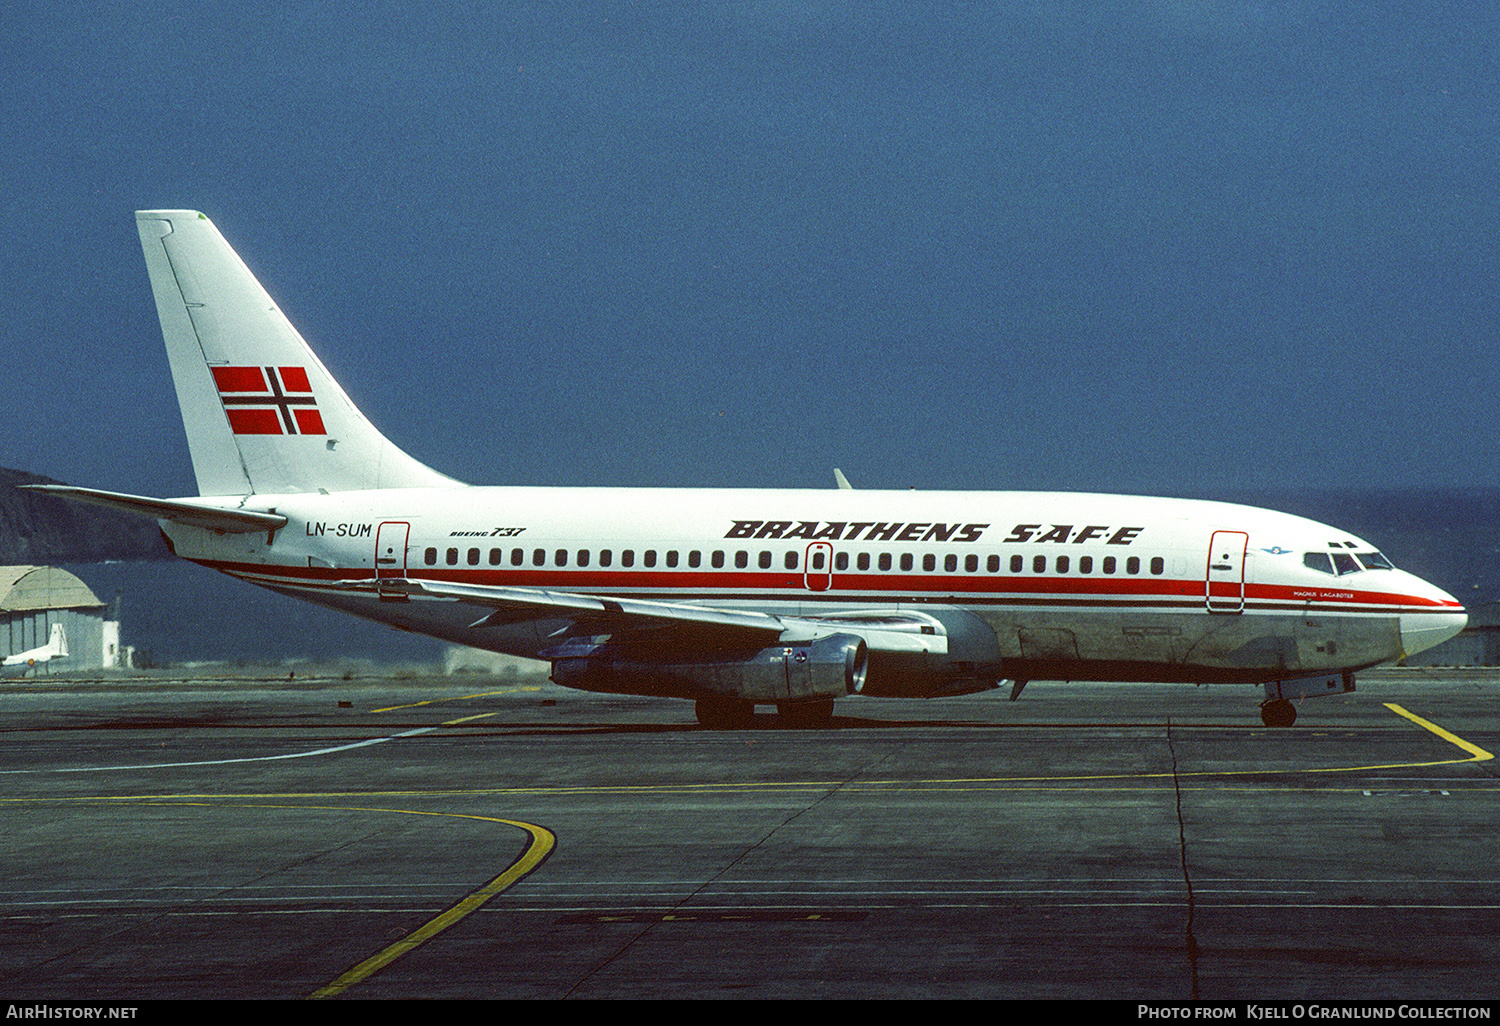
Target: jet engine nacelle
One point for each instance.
(929, 652)
(825, 668)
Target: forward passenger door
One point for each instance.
(1224, 584)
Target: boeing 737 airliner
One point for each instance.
(733, 598)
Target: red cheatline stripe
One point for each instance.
(853, 588)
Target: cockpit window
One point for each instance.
(1341, 563)
(1318, 561)
(1344, 563)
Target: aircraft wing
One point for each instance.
(182, 511)
(884, 630)
(595, 614)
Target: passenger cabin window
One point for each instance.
(765, 561)
(453, 557)
(885, 561)
(431, 556)
(791, 560)
(495, 556)
(1158, 565)
(741, 559)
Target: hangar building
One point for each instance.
(33, 598)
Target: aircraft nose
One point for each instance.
(1439, 618)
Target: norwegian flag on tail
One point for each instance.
(268, 401)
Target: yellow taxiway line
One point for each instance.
(542, 843)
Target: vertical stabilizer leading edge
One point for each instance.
(262, 413)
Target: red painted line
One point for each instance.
(790, 585)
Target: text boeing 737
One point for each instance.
(738, 597)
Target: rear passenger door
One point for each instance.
(390, 556)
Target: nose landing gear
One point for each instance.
(1278, 711)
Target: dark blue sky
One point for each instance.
(1152, 245)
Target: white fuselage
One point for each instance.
(1074, 586)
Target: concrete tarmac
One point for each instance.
(475, 837)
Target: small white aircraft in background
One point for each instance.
(738, 597)
(55, 648)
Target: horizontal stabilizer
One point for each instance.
(180, 511)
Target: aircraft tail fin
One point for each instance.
(262, 413)
(59, 641)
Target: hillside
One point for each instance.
(42, 530)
